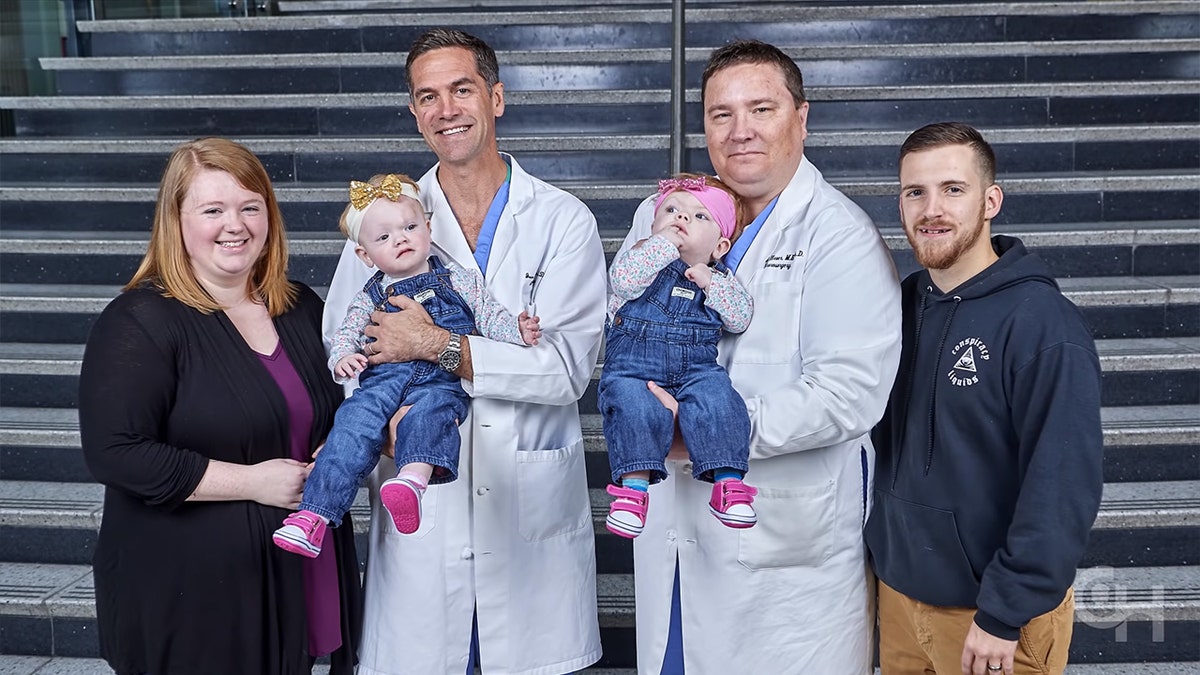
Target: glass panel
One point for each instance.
(28, 31)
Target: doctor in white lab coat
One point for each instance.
(791, 595)
(511, 540)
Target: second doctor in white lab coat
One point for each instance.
(512, 537)
(791, 595)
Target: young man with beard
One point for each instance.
(989, 454)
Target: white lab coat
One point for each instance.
(790, 595)
(512, 537)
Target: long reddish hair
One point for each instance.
(166, 265)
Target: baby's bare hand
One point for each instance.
(672, 235)
(531, 328)
(699, 274)
(350, 365)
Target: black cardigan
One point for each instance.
(198, 587)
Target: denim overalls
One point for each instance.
(427, 433)
(669, 336)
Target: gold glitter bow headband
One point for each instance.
(362, 194)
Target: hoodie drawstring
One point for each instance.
(936, 374)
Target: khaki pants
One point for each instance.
(920, 639)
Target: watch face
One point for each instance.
(449, 360)
(451, 356)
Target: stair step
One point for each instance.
(1016, 186)
(1052, 199)
(1164, 595)
(1071, 250)
(752, 13)
(315, 6)
(81, 505)
(606, 111)
(330, 243)
(595, 157)
(998, 136)
(1133, 369)
(563, 57)
(1174, 61)
(1123, 427)
(1120, 355)
(1143, 443)
(1083, 291)
(1110, 291)
(845, 10)
(1137, 425)
(1143, 371)
(399, 101)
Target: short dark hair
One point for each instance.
(442, 38)
(739, 52)
(942, 134)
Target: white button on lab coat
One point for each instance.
(513, 535)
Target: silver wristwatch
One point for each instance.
(451, 356)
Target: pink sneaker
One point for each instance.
(731, 503)
(402, 499)
(627, 514)
(302, 534)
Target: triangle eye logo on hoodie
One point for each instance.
(969, 354)
(966, 361)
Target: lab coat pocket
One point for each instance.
(552, 493)
(774, 333)
(795, 528)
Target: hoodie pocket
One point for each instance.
(916, 550)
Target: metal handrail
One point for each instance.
(678, 73)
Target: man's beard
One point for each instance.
(940, 255)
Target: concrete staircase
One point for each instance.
(1094, 109)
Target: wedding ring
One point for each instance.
(994, 668)
(370, 349)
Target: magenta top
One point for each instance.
(320, 573)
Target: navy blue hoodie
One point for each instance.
(989, 453)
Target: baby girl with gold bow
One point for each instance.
(387, 223)
(672, 299)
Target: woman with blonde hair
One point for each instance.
(203, 395)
